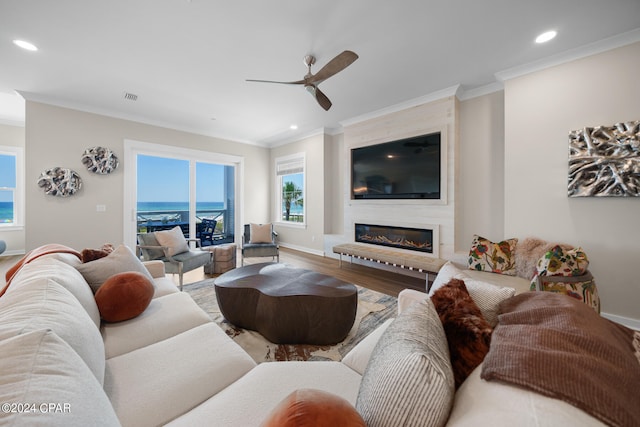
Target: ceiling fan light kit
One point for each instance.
(311, 81)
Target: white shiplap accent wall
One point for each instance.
(440, 115)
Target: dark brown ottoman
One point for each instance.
(288, 305)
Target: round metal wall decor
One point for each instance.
(100, 160)
(60, 182)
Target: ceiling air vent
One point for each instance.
(130, 96)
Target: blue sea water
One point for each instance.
(6, 212)
(177, 206)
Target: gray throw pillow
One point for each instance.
(121, 260)
(409, 380)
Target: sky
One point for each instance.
(163, 179)
(7, 176)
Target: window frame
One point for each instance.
(18, 191)
(290, 163)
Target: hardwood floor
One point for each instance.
(387, 282)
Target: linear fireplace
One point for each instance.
(415, 239)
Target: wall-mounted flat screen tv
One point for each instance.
(403, 169)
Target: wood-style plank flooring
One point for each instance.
(387, 282)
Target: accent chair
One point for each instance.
(173, 249)
(259, 240)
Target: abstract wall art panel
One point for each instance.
(604, 161)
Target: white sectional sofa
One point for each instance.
(172, 365)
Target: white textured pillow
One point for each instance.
(260, 233)
(121, 260)
(409, 379)
(447, 272)
(40, 368)
(173, 239)
(488, 297)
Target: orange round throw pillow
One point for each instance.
(313, 408)
(124, 296)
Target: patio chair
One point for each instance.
(262, 244)
(207, 230)
(175, 263)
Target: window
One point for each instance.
(11, 204)
(290, 189)
(168, 186)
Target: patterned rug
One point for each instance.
(373, 309)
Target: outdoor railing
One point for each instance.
(167, 219)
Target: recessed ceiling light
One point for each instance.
(545, 37)
(25, 45)
(293, 127)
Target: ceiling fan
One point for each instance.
(311, 81)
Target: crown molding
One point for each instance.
(600, 46)
(481, 91)
(433, 96)
(33, 97)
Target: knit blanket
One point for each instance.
(33, 254)
(559, 347)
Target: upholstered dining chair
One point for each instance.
(171, 247)
(259, 240)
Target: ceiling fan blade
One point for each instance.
(334, 66)
(322, 99)
(297, 82)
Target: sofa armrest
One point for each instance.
(406, 297)
(358, 358)
(155, 268)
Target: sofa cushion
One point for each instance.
(489, 403)
(165, 317)
(51, 267)
(155, 384)
(313, 407)
(39, 368)
(265, 386)
(120, 260)
(124, 296)
(173, 239)
(468, 333)
(499, 257)
(359, 356)
(44, 304)
(409, 380)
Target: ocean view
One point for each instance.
(177, 206)
(6, 212)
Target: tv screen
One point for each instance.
(403, 169)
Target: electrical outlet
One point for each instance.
(101, 208)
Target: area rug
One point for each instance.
(373, 309)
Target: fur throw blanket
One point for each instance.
(529, 251)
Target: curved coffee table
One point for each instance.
(287, 305)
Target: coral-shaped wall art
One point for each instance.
(605, 161)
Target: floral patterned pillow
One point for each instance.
(562, 262)
(572, 264)
(486, 255)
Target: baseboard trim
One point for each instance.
(625, 321)
(302, 249)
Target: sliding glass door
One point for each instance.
(181, 190)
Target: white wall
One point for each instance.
(540, 110)
(14, 236)
(481, 170)
(58, 136)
